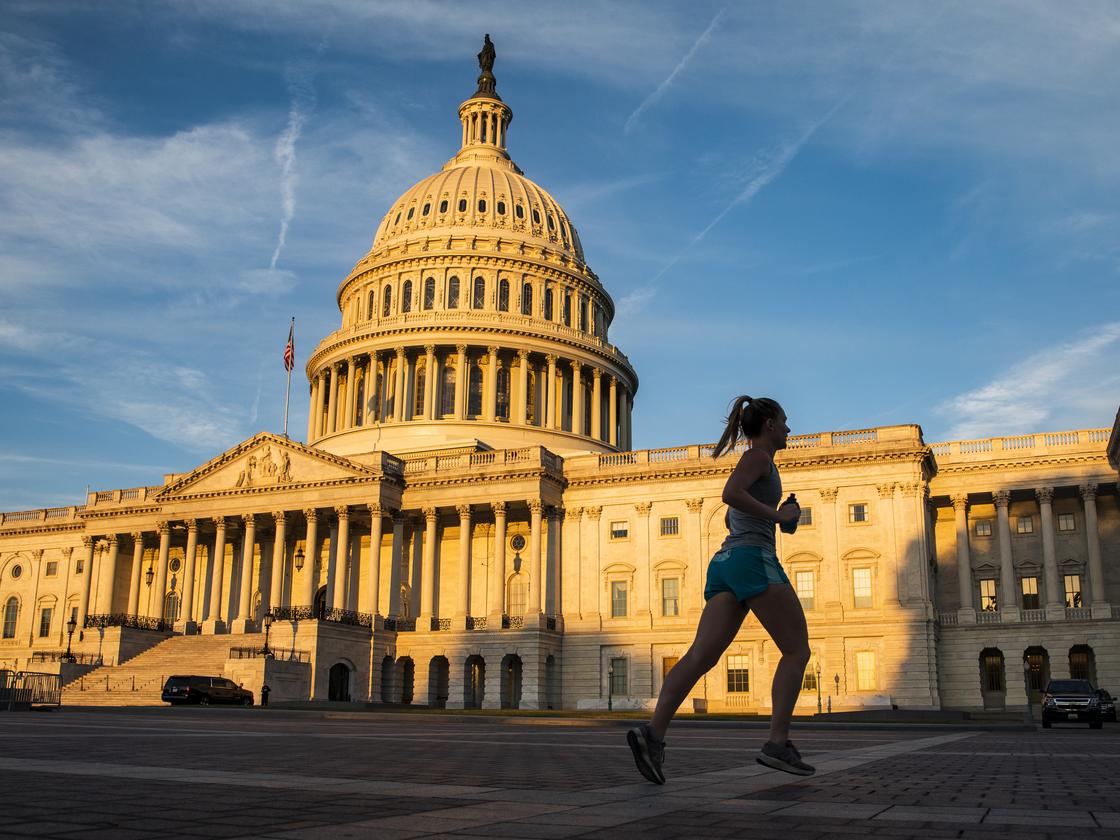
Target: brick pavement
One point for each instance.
(255, 773)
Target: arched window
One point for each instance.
(519, 211)
(482, 205)
(11, 614)
(501, 208)
(536, 217)
(372, 310)
(443, 206)
(474, 390)
(375, 402)
(360, 400)
(430, 293)
(406, 296)
(503, 392)
(530, 396)
(517, 595)
(390, 388)
(452, 292)
(426, 208)
(567, 308)
(478, 299)
(387, 302)
(503, 295)
(397, 220)
(412, 212)
(551, 223)
(583, 313)
(418, 389)
(547, 303)
(447, 390)
(462, 205)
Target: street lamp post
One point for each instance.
(71, 626)
(820, 708)
(267, 622)
(610, 687)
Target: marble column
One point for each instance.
(832, 580)
(351, 392)
(596, 404)
(159, 588)
(462, 600)
(276, 567)
(536, 508)
(1055, 594)
(341, 552)
(1008, 594)
(213, 621)
(577, 399)
(108, 577)
(368, 397)
(332, 399)
(694, 559)
(461, 377)
(310, 560)
(520, 413)
(612, 414)
(550, 419)
(428, 569)
(1101, 608)
(498, 569)
(966, 612)
(311, 412)
(642, 611)
(399, 520)
(134, 581)
(242, 623)
(373, 595)
(429, 381)
(400, 398)
(490, 393)
(186, 622)
(552, 565)
(90, 546)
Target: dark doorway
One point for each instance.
(439, 673)
(511, 682)
(993, 679)
(474, 684)
(1083, 664)
(388, 679)
(320, 605)
(1038, 671)
(406, 668)
(339, 683)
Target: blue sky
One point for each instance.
(873, 213)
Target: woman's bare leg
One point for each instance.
(719, 623)
(780, 613)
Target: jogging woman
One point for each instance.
(744, 575)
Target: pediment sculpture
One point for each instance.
(261, 470)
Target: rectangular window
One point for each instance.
(1024, 525)
(45, 622)
(619, 674)
(1065, 522)
(809, 680)
(620, 530)
(865, 671)
(1073, 591)
(806, 516)
(670, 526)
(1030, 593)
(52, 568)
(738, 674)
(74, 614)
(857, 513)
(861, 588)
(805, 585)
(667, 663)
(984, 528)
(671, 596)
(988, 595)
(618, 598)
(78, 566)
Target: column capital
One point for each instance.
(536, 506)
(336, 366)
(192, 525)
(311, 514)
(464, 511)
(909, 489)
(112, 540)
(163, 527)
(523, 354)
(249, 519)
(430, 514)
(342, 511)
(828, 494)
(219, 521)
(550, 358)
(960, 501)
(643, 508)
(460, 349)
(374, 509)
(575, 513)
(1088, 491)
(594, 512)
(498, 507)
(577, 365)
(280, 517)
(886, 491)
(429, 349)
(37, 553)
(400, 352)
(1002, 498)
(1045, 495)
(68, 552)
(491, 350)
(694, 505)
(137, 536)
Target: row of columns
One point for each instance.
(1053, 591)
(335, 406)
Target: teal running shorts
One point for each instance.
(744, 571)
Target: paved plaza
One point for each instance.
(257, 773)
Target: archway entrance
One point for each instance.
(338, 686)
(474, 684)
(387, 679)
(993, 679)
(439, 672)
(171, 606)
(407, 670)
(320, 605)
(511, 681)
(1038, 671)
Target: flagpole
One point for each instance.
(288, 390)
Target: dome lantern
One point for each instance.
(484, 116)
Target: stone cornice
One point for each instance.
(1090, 458)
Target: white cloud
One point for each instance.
(1064, 386)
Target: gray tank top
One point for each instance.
(751, 530)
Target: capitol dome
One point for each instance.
(474, 320)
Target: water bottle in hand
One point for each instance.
(790, 527)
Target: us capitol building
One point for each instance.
(467, 524)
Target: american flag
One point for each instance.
(290, 348)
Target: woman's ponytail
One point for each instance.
(734, 428)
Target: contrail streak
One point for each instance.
(661, 88)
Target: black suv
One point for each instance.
(204, 691)
(1071, 700)
(1108, 705)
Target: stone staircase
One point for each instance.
(139, 681)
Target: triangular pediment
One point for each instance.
(266, 462)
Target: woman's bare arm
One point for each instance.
(754, 464)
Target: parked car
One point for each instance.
(1108, 705)
(1071, 700)
(204, 691)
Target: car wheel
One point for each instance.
(1045, 723)
(248, 701)
(1096, 724)
(204, 700)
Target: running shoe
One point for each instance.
(649, 753)
(784, 757)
